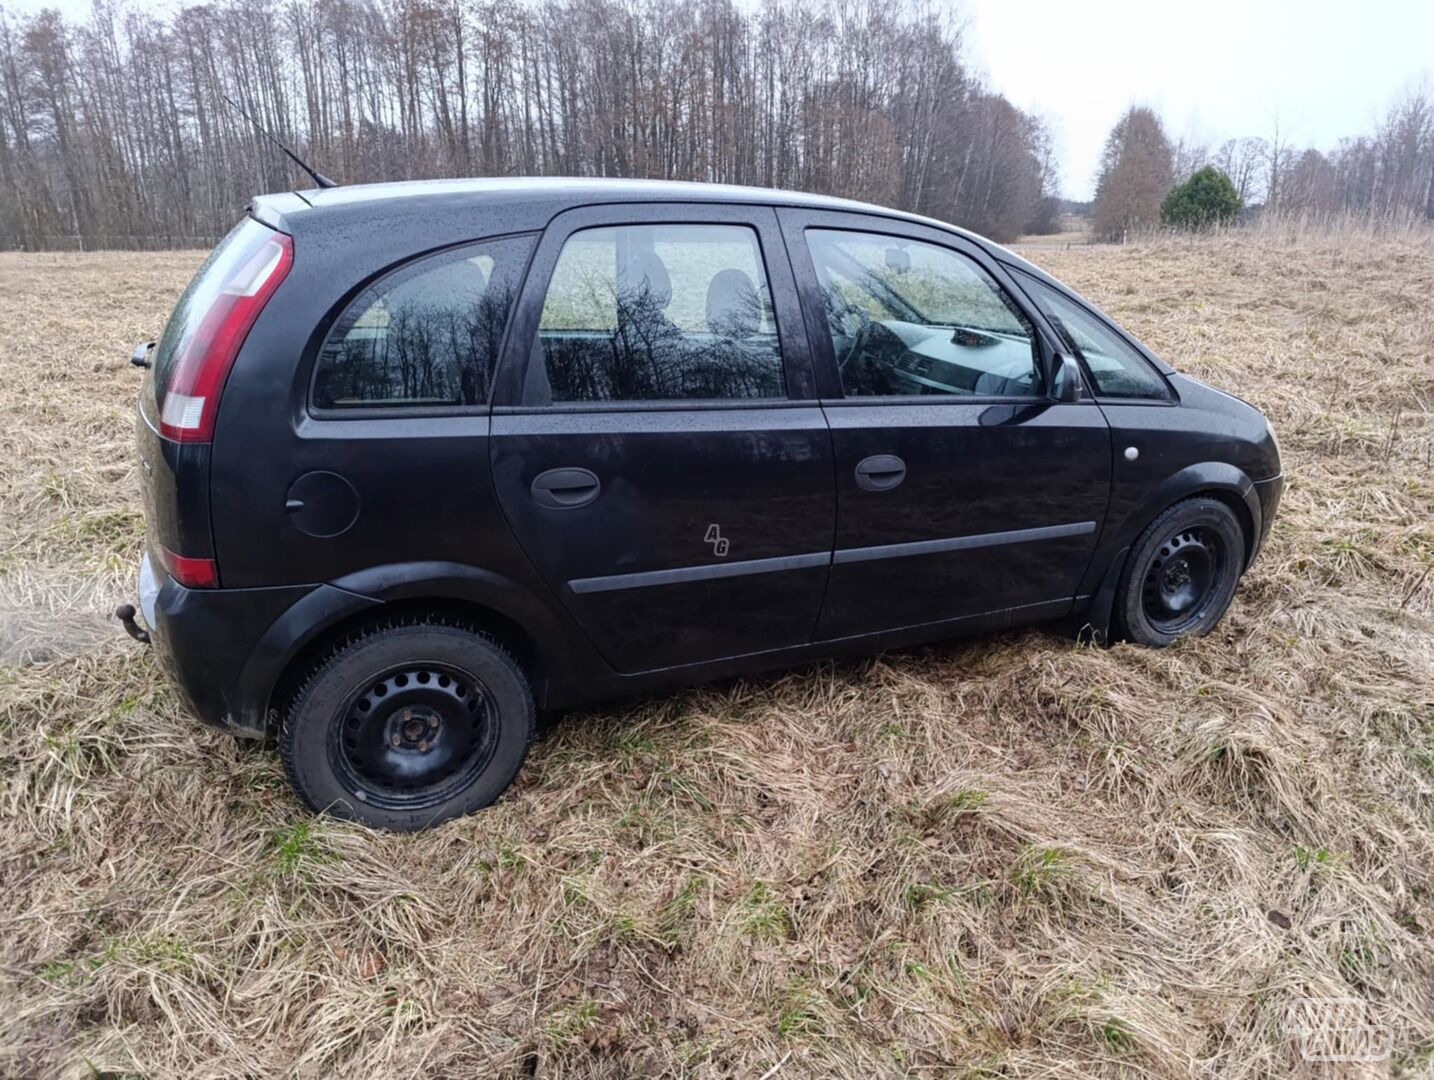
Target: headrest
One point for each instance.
(898, 259)
(733, 307)
(453, 286)
(646, 272)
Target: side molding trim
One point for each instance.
(711, 571)
(961, 543)
(706, 572)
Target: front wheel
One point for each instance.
(1181, 574)
(406, 724)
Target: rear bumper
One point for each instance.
(209, 643)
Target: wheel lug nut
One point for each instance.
(422, 746)
(433, 723)
(396, 741)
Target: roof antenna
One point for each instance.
(319, 178)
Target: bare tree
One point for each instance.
(1188, 155)
(1277, 158)
(1240, 160)
(1137, 169)
(1406, 155)
(1311, 184)
(1047, 216)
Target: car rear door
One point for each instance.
(657, 448)
(964, 487)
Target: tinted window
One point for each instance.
(427, 334)
(658, 312)
(912, 318)
(1114, 364)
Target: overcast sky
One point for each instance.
(1211, 68)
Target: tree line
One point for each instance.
(1388, 173)
(114, 131)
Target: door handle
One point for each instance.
(564, 489)
(880, 472)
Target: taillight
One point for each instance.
(190, 572)
(191, 400)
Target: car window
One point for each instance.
(1115, 366)
(657, 313)
(425, 335)
(906, 317)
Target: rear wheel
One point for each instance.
(404, 725)
(1181, 574)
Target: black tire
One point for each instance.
(1181, 574)
(408, 723)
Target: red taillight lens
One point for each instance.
(190, 572)
(205, 357)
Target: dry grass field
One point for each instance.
(1011, 856)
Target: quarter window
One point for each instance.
(426, 335)
(910, 318)
(1117, 368)
(657, 313)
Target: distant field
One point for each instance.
(1073, 230)
(1064, 239)
(1009, 856)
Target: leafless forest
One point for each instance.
(1386, 174)
(115, 132)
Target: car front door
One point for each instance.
(656, 443)
(965, 487)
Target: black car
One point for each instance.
(419, 459)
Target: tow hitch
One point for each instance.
(125, 614)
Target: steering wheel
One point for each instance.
(857, 336)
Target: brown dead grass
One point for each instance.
(1010, 856)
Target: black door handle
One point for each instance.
(563, 489)
(880, 472)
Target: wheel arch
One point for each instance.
(498, 606)
(1214, 479)
(1247, 517)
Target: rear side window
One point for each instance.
(657, 313)
(425, 336)
(1118, 369)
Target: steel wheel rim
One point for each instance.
(1183, 579)
(413, 736)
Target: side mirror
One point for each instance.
(1069, 385)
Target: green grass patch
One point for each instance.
(763, 915)
(1039, 869)
(294, 851)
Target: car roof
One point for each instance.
(413, 196)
